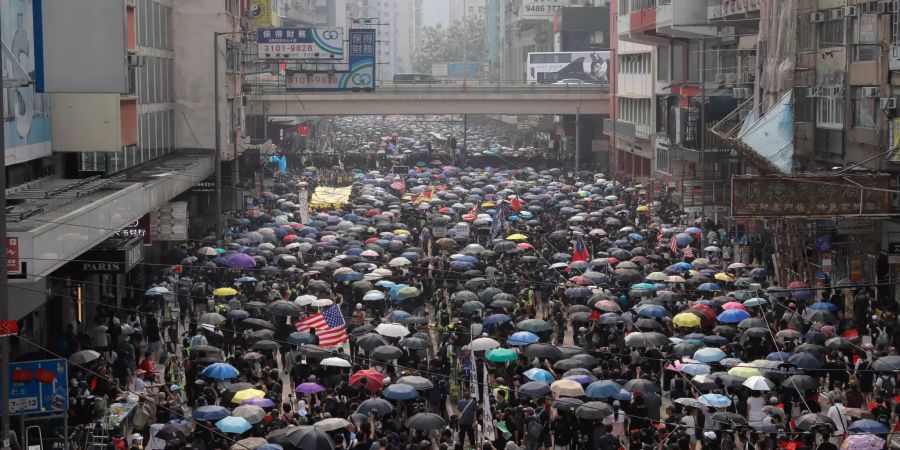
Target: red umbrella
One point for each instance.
(709, 314)
(797, 285)
(444, 210)
(289, 238)
(371, 240)
(526, 246)
(580, 281)
(373, 212)
(374, 379)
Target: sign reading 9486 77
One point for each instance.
(301, 43)
(541, 9)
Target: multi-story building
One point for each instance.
(461, 10)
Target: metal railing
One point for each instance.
(280, 85)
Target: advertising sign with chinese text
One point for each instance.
(39, 386)
(301, 43)
(810, 196)
(12, 254)
(361, 73)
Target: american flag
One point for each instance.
(329, 325)
(399, 186)
(673, 246)
(688, 252)
(659, 239)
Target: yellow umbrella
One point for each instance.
(401, 232)
(225, 292)
(567, 388)
(517, 237)
(686, 320)
(247, 394)
(744, 371)
(724, 277)
(488, 205)
(643, 208)
(693, 272)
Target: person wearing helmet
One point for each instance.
(359, 316)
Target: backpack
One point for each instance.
(534, 428)
(887, 385)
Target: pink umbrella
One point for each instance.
(734, 305)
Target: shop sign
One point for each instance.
(894, 248)
(12, 254)
(39, 387)
(112, 260)
(138, 229)
(809, 196)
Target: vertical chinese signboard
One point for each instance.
(12, 254)
(359, 76)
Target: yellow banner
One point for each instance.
(327, 196)
(261, 13)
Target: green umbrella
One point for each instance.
(408, 292)
(501, 355)
(470, 307)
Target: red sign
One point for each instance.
(9, 328)
(304, 130)
(12, 254)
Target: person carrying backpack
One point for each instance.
(534, 429)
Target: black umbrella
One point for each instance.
(800, 382)
(534, 389)
(567, 403)
(542, 351)
(729, 418)
(808, 422)
(173, 432)
(370, 341)
(414, 343)
(258, 324)
(684, 349)
(284, 308)
(414, 320)
(265, 345)
(593, 411)
(386, 353)
(426, 421)
(567, 364)
(307, 436)
(260, 335)
(641, 385)
(379, 406)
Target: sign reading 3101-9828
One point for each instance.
(301, 43)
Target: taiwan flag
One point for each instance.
(580, 253)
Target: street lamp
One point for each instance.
(220, 218)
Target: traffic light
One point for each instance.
(303, 130)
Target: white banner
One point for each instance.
(303, 195)
(487, 426)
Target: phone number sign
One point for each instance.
(541, 9)
(300, 43)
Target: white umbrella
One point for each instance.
(331, 424)
(758, 383)
(84, 357)
(483, 344)
(305, 300)
(399, 262)
(335, 362)
(391, 330)
(383, 272)
(320, 302)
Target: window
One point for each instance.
(830, 113)
(693, 59)
(662, 159)
(865, 34)
(662, 63)
(830, 33)
(232, 7)
(866, 52)
(864, 112)
(677, 55)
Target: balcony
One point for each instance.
(660, 20)
(622, 129)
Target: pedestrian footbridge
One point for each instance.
(506, 99)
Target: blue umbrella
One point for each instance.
(235, 425)
(220, 371)
(495, 319)
(696, 369)
(683, 239)
(692, 230)
(623, 396)
(238, 314)
(602, 389)
(805, 294)
(211, 412)
(536, 374)
(579, 292)
(778, 356)
(823, 306)
(715, 400)
(243, 280)
(868, 426)
(270, 447)
(652, 311)
(636, 237)
(300, 337)
(350, 276)
(709, 287)
(522, 338)
(684, 265)
(709, 354)
(354, 251)
(399, 392)
(733, 316)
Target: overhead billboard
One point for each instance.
(810, 196)
(550, 67)
(541, 9)
(301, 43)
(456, 69)
(360, 76)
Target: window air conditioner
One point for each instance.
(887, 103)
(850, 11)
(869, 92)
